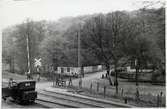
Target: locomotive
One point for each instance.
(21, 91)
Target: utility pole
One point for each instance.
(10, 65)
(13, 67)
(137, 71)
(79, 51)
(28, 54)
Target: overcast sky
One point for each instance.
(16, 11)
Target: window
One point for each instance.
(62, 70)
(68, 69)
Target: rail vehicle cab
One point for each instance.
(23, 91)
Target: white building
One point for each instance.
(129, 69)
(77, 70)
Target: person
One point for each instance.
(10, 82)
(106, 75)
(61, 80)
(72, 73)
(56, 80)
(110, 80)
(160, 99)
(6, 91)
(28, 75)
(102, 76)
(70, 82)
(38, 73)
(38, 77)
(80, 82)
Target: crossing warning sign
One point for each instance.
(38, 62)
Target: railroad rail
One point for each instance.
(62, 101)
(72, 101)
(52, 104)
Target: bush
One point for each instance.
(158, 78)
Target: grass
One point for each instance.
(7, 75)
(147, 94)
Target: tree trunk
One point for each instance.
(116, 77)
(10, 64)
(82, 71)
(137, 71)
(108, 69)
(108, 73)
(13, 66)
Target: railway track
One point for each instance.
(10, 103)
(52, 104)
(62, 101)
(59, 100)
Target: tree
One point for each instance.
(71, 35)
(155, 18)
(141, 42)
(8, 51)
(103, 36)
(155, 21)
(18, 34)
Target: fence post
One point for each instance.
(137, 94)
(97, 87)
(80, 83)
(53, 81)
(104, 91)
(158, 100)
(125, 100)
(91, 87)
(122, 92)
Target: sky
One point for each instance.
(17, 11)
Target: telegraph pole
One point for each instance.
(28, 54)
(137, 70)
(79, 61)
(79, 51)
